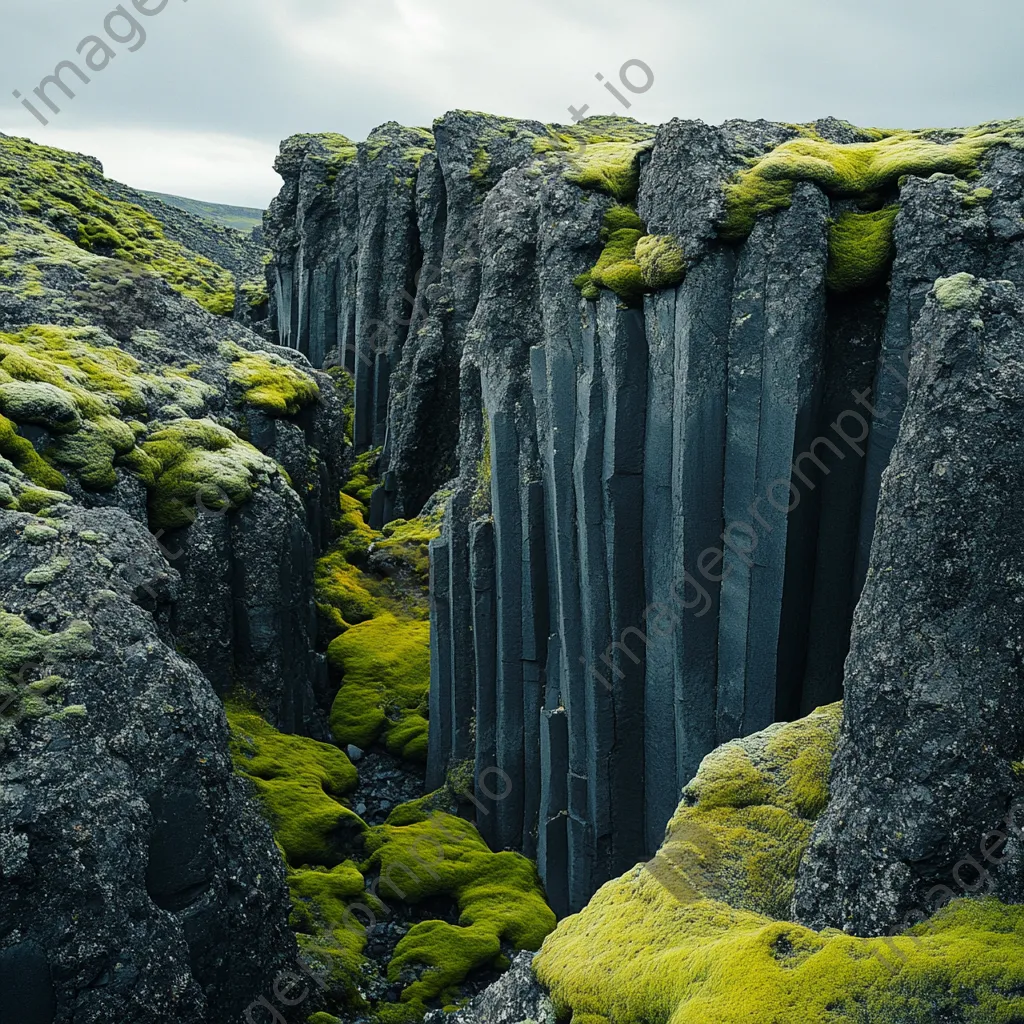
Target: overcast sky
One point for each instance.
(200, 107)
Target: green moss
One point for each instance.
(41, 404)
(39, 533)
(44, 575)
(407, 541)
(363, 480)
(602, 153)
(82, 392)
(481, 165)
(20, 452)
(422, 854)
(860, 248)
(480, 504)
(270, 383)
(661, 261)
(855, 170)
(197, 460)
(92, 451)
(38, 499)
(255, 293)
(331, 937)
(961, 291)
(301, 783)
(617, 268)
(449, 952)
(384, 665)
(343, 592)
(50, 183)
(26, 652)
(693, 936)
(653, 958)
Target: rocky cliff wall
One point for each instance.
(167, 482)
(661, 373)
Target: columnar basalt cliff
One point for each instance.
(689, 432)
(660, 373)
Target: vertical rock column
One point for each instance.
(461, 625)
(775, 354)
(535, 642)
(440, 701)
(389, 258)
(588, 472)
(624, 361)
(660, 792)
(509, 689)
(485, 650)
(559, 393)
(698, 400)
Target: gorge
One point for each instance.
(474, 561)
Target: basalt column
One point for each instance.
(441, 699)
(485, 651)
(775, 372)
(389, 259)
(702, 319)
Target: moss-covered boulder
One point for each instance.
(700, 933)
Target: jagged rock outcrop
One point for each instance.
(139, 881)
(928, 788)
(666, 466)
(129, 349)
(167, 482)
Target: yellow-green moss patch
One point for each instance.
(611, 166)
(421, 854)
(86, 394)
(961, 291)
(198, 461)
(643, 956)
(661, 260)
(860, 248)
(270, 382)
(27, 690)
(384, 666)
(301, 783)
(617, 268)
(696, 935)
(860, 169)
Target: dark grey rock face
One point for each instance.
(139, 881)
(312, 228)
(927, 775)
(660, 513)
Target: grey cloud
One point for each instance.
(264, 69)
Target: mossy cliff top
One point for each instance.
(53, 192)
(867, 171)
(862, 176)
(700, 933)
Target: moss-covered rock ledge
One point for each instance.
(701, 934)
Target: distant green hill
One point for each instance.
(241, 218)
